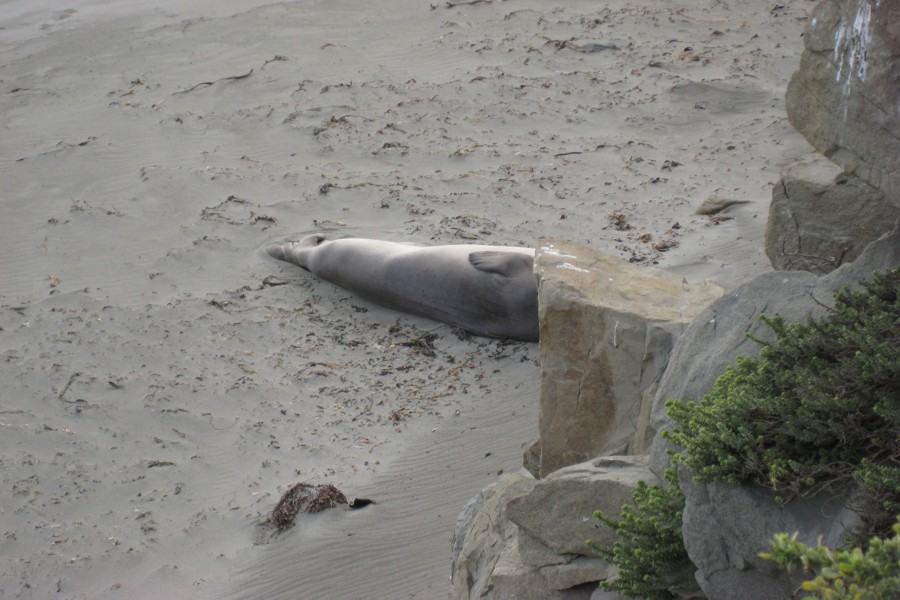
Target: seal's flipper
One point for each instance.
(507, 264)
(311, 240)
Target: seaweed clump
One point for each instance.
(304, 497)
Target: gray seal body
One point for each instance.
(486, 290)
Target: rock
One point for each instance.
(495, 557)
(531, 458)
(558, 511)
(482, 533)
(487, 562)
(534, 553)
(607, 328)
(513, 580)
(601, 594)
(720, 333)
(726, 526)
(843, 97)
(466, 518)
(821, 218)
(577, 572)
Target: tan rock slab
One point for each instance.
(607, 328)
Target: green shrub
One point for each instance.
(649, 552)
(819, 407)
(844, 574)
(881, 484)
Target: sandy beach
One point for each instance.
(165, 381)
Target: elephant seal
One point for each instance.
(487, 290)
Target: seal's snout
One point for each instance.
(276, 251)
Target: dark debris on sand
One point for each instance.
(304, 497)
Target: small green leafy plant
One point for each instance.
(649, 551)
(844, 574)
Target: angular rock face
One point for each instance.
(526, 540)
(607, 328)
(844, 96)
(726, 526)
(844, 99)
(482, 533)
(558, 511)
(513, 580)
(821, 218)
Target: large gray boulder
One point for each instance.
(482, 532)
(722, 331)
(607, 328)
(726, 526)
(558, 511)
(526, 539)
(514, 580)
(821, 217)
(843, 98)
